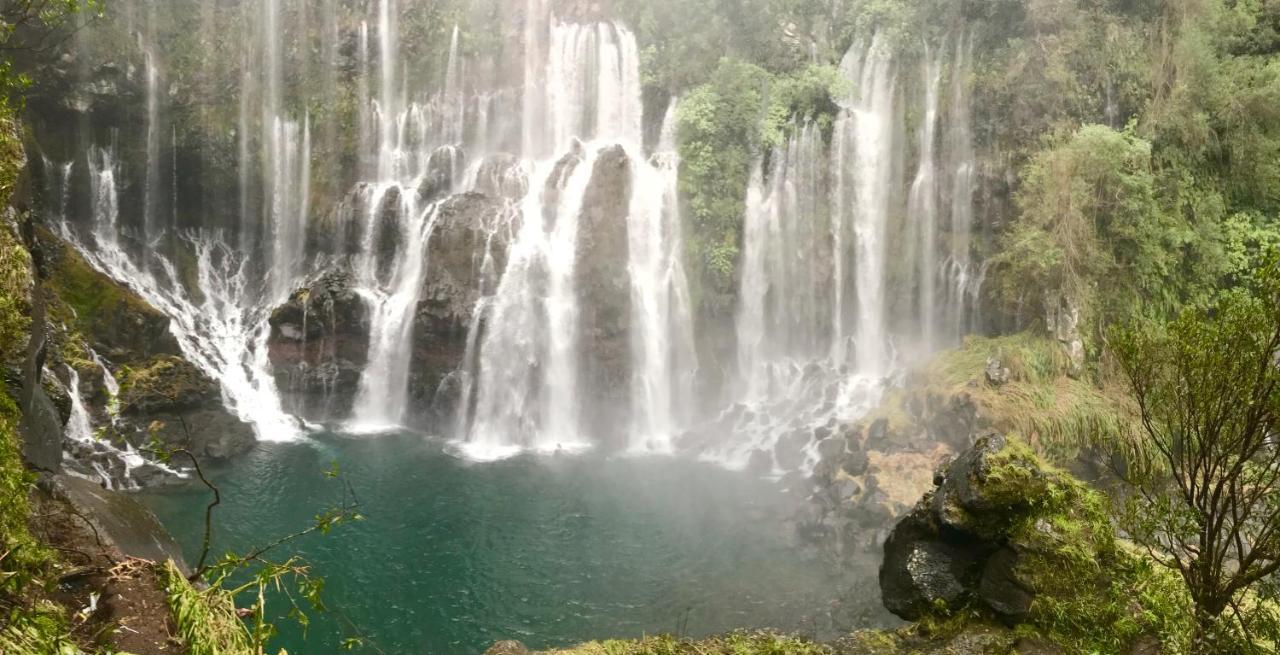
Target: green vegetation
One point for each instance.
(38, 630)
(1040, 400)
(1087, 583)
(737, 643)
(1205, 470)
(91, 300)
(1160, 215)
(27, 625)
(1091, 593)
(725, 126)
(206, 620)
(1090, 229)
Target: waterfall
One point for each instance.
(527, 377)
(793, 386)
(581, 94)
(662, 345)
(962, 282)
(151, 188)
(585, 85)
(392, 285)
(783, 311)
(855, 248)
(388, 103)
(114, 467)
(809, 360)
(286, 166)
(865, 156)
(224, 333)
(922, 204)
(289, 159)
(79, 425)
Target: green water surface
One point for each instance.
(550, 550)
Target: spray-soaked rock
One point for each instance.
(464, 261)
(502, 176)
(318, 346)
(444, 170)
(604, 287)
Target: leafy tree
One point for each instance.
(34, 25)
(719, 132)
(1091, 229)
(1206, 474)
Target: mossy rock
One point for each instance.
(117, 322)
(1005, 537)
(166, 383)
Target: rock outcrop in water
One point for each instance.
(604, 287)
(465, 259)
(318, 345)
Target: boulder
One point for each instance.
(1004, 539)
(318, 346)
(41, 430)
(951, 547)
(172, 400)
(997, 374)
(922, 570)
(1001, 589)
(507, 648)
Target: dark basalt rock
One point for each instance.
(117, 323)
(388, 233)
(41, 430)
(444, 166)
(921, 569)
(465, 257)
(178, 404)
(1002, 590)
(966, 540)
(604, 287)
(318, 346)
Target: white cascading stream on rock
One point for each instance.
(817, 339)
(392, 284)
(663, 350)
(582, 86)
(222, 333)
(856, 250)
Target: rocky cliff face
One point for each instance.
(161, 395)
